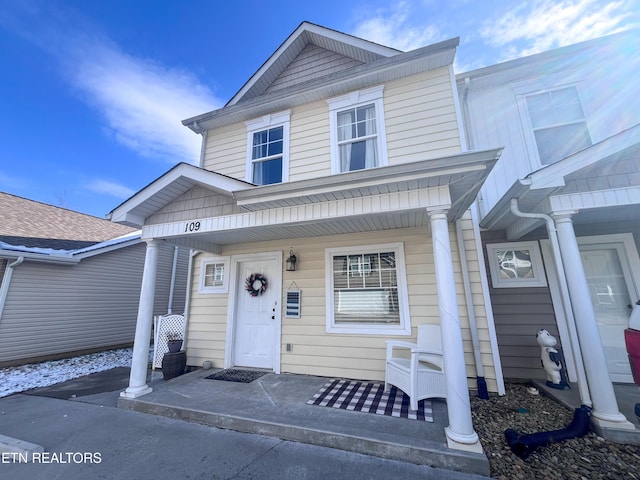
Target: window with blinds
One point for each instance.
(366, 289)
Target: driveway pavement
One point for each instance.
(88, 437)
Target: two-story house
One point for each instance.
(349, 158)
(559, 211)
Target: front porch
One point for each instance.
(276, 405)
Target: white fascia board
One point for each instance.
(126, 212)
(107, 246)
(299, 214)
(614, 197)
(61, 258)
(459, 163)
(503, 206)
(295, 37)
(553, 175)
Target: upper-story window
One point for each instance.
(268, 152)
(358, 137)
(559, 125)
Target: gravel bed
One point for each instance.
(588, 457)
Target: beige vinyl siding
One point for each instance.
(226, 150)
(316, 352)
(56, 310)
(310, 154)
(421, 117)
(423, 102)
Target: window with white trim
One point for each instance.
(358, 136)
(559, 124)
(214, 273)
(517, 264)
(268, 152)
(366, 290)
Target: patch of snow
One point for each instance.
(32, 375)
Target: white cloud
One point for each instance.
(394, 27)
(142, 102)
(544, 24)
(110, 188)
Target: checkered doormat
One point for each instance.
(370, 398)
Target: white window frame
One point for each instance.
(530, 89)
(353, 100)
(538, 280)
(224, 288)
(404, 328)
(267, 122)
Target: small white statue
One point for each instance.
(550, 358)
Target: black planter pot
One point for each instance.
(173, 364)
(174, 345)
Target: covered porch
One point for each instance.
(431, 196)
(583, 212)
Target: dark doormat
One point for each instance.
(237, 375)
(370, 398)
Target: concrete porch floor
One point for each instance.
(276, 405)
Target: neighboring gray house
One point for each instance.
(70, 282)
(560, 210)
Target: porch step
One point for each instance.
(282, 413)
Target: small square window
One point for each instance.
(214, 273)
(516, 265)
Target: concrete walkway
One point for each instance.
(276, 406)
(83, 440)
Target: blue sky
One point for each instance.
(92, 92)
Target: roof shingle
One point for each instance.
(29, 223)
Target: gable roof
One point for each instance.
(257, 98)
(34, 224)
(167, 188)
(305, 36)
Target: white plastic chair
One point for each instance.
(420, 375)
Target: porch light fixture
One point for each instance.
(291, 262)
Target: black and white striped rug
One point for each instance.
(370, 398)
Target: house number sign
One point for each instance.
(192, 226)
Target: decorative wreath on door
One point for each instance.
(255, 284)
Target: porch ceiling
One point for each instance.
(211, 241)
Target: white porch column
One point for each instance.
(138, 378)
(605, 406)
(460, 433)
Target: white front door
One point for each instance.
(609, 284)
(257, 318)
